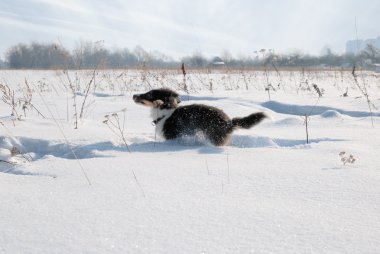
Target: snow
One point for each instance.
(268, 191)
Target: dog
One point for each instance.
(173, 121)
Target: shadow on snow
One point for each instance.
(37, 149)
(301, 110)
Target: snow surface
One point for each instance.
(266, 192)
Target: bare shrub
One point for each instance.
(10, 99)
(117, 127)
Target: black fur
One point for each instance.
(248, 121)
(189, 120)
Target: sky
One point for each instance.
(184, 27)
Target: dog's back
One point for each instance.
(191, 119)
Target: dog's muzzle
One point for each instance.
(137, 98)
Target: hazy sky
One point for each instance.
(182, 27)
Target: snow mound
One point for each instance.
(301, 110)
(331, 114)
(289, 121)
(12, 160)
(35, 149)
(202, 146)
(244, 141)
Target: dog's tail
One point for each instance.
(248, 121)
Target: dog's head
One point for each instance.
(162, 98)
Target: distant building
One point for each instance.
(352, 46)
(217, 62)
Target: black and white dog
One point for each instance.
(173, 121)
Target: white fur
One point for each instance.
(156, 113)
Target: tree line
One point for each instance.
(89, 55)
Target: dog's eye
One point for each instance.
(148, 96)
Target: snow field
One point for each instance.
(266, 192)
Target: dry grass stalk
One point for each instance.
(364, 91)
(87, 90)
(113, 123)
(306, 123)
(9, 99)
(73, 90)
(27, 100)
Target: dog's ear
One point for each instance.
(173, 101)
